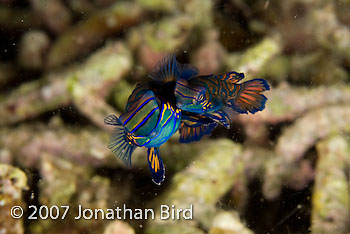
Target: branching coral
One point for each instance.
(331, 197)
(85, 83)
(12, 183)
(84, 36)
(202, 184)
(298, 138)
(300, 47)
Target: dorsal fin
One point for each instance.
(166, 70)
(188, 71)
(232, 76)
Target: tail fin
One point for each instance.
(118, 142)
(156, 166)
(250, 97)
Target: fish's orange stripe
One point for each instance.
(255, 88)
(156, 164)
(248, 97)
(251, 92)
(244, 100)
(150, 155)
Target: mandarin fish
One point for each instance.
(220, 98)
(150, 119)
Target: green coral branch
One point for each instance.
(286, 103)
(53, 13)
(228, 222)
(203, 183)
(253, 60)
(84, 36)
(152, 41)
(331, 195)
(86, 85)
(66, 183)
(298, 138)
(90, 85)
(329, 31)
(118, 227)
(12, 183)
(84, 146)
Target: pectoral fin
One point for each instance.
(194, 127)
(223, 116)
(190, 134)
(156, 166)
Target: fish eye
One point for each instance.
(201, 97)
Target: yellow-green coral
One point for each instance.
(331, 198)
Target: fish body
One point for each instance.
(149, 120)
(221, 98)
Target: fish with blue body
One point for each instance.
(219, 98)
(150, 119)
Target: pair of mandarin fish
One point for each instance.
(176, 98)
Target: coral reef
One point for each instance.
(13, 182)
(65, 65)
(331, 199)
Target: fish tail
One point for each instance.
(119, 143)
(250, 97)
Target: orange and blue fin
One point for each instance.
(194, 126)
(118, 142)
(250, 97)
(232, 77)
(166, 70)
(189, 134)
(156, 166)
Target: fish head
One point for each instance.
(191, 98)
